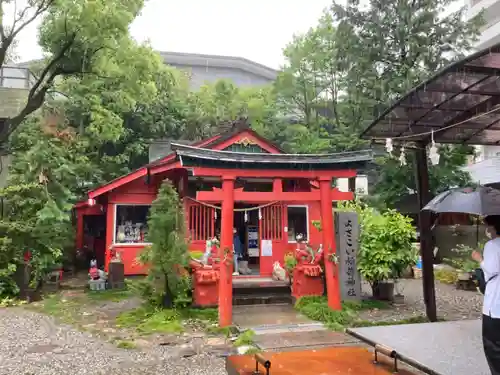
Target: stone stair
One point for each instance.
(260, 291)
(282, 328)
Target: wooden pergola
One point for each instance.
(458, 105)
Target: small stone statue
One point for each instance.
(207, 253)
(95, 273)
(116, 257)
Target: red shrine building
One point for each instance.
(235, 181)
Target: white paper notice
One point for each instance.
(267, 248)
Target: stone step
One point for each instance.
(260, 287)
(292, 327)
(282, 290)
(262, 299)
(294, 340)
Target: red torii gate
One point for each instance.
(194, 159)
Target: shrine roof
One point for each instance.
(207, 153)
(460, 104)
(232, 129)
(228, 132)
(196, 156)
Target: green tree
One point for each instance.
(356, 61)
(73, 35)
(39, 197)
(168, 255)
(398, 53)
(395, 181)
(401, 43)
(318, 86)
(96, 129)
(215, 103)
(134, 99)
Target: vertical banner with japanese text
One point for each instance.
(347, 239)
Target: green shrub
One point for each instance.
(246, 338)
(195, 254)
(386, 243)
(461, 259)
(168, 283)
(446, 276)
(290, 263)
(149, 320)
(316, 308)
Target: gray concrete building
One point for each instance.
(203, 69)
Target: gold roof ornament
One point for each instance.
(245, 142)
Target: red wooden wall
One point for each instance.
(135, 192)
(200, 225)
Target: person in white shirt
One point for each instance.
(490, 264)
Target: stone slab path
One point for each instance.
(281, 327)
(254, 316)
(447, 348)
(304, 340)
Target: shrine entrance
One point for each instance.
(246, 239)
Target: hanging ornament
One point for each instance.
(246, 217)
(388, 145)
(260, 214)
(402, 156)
(433, 151)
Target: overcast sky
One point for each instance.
(255, 29)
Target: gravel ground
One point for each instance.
(33, 344)
(452, 304)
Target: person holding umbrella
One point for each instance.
(481, 201)
(490, 264)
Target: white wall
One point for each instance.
(490, 33)
(361, 184)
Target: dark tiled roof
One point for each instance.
(244, 157)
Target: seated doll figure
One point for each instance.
(94, 271)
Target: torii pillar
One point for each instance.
(226, 253)
(329, 246)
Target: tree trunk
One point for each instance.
(167, 301)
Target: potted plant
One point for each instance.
(462, 262)
(386, 248)
(290, 263)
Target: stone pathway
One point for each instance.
(304, 340)
(281, 327)
(253, 316)
(447, 348)
(452, 304)
(33, 343)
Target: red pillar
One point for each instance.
(331, 269)
(277, 185)
(79, 229)
(226, 252)
(110, 227)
